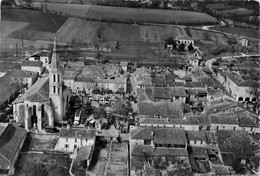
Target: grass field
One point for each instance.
(159, 33)
(207, 36)
(122, 14)
(7, 27)
(253, 33)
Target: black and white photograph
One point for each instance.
(129, 88)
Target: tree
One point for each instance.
(255, 88)
(182, 47)
(190, 47)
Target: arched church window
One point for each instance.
(54, 78)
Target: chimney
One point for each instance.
(152, 133)
(68, 126)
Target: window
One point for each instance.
(234, 128)
(201, 142)
(54, 79)
(224, 127)
(67, 140)
(58, 90)
(54, 91)
(147, 142)
(75, 140)
(66, 145)
(58, 78)
(195, 142)
(217, 127)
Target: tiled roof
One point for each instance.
(199, 151)
(194, 84)
(221, 169)
(162, 92)
(32, 63)
(234, 142)
(83, 153)
(37, 92)
(196, 135)
(162, 121)
(9, 144)
(162, 135)
(163, 151)
(216, 119)
(223, 106)
(159, 81)
(22, 74)
(7, 88)
(84, 79)
(77, 133)
(198, 120)
(178, 91)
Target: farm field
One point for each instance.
(7, 27)
(122, 14)
(85, 32)
(77, 30)
(19, 15)
(229, 10)
(253, 33)
(207, 36)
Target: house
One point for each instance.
(71, 139)
(141, 78)
(33, 66)
(23, 77)
(243, 41)
(225, 107)
(218, 95)
(168, 144)
(195, 123)
(224, 122)
(178, 94)
(185, 40)
(236, 86)
(11, 139)
(196, 138)
(124, 65)
(42, 56)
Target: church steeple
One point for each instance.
(54, 61)
(55, 84)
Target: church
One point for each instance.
(46, 101)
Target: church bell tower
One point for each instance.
(55, 85)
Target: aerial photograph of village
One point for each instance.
(129, 88)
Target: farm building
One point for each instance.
(185, 40)
(33, 66)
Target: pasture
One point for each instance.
(131, 15)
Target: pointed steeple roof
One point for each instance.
(54, 60)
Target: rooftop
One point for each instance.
(22, 74)
(10, 143)
(160, 135)
(196, 135)
(32, 63)
(77, 133)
